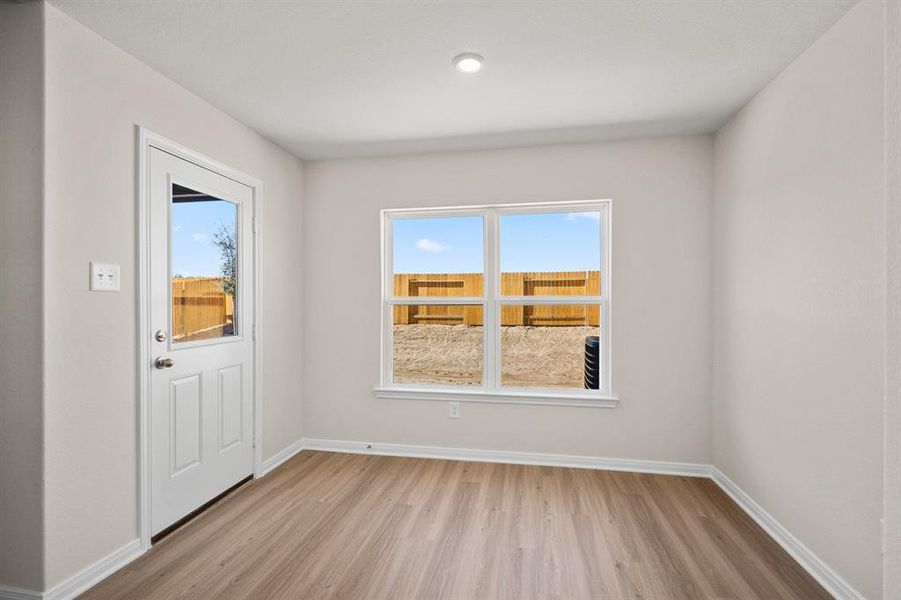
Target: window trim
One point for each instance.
(491, 389)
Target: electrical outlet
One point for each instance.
(104, 277)
(453, 410)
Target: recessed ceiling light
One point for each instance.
(469, 62)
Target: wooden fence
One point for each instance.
(564, 283)
(199, 304)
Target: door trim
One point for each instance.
(146, 140)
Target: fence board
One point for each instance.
(561, 283)
(198, 304)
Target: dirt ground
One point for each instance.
(209, 334)
(530, 356)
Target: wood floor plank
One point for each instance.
(327, 526)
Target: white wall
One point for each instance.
(662, 214)
(95, 94)
(799, 298)
(21, 173)
(892, 471)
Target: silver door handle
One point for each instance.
(163, 363)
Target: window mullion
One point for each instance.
(489, 312)
(387, 317)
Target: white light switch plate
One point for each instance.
(104, 277)
(453, 410)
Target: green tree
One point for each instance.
(225, 240)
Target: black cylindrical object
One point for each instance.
(592, 362)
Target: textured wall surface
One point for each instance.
(661, 278)
(21, 302)
(90, 180)
(800, 276)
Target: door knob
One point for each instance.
(163, 363)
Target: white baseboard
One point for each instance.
(516, 458)
(274, 461)
(819, 570)
(14, 593)
(95, 573)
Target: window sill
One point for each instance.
(549, 398)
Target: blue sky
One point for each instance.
(193, 223)
(529, 242)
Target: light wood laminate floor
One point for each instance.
(326, 525)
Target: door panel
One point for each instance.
(201, 277)
(185, 423)
(230, 402)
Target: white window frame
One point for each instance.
(491, 389)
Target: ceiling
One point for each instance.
(352, 78)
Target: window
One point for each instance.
(204, 265)
(497, 303)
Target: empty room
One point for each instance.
(450, 299)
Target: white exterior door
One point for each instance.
(201, 330)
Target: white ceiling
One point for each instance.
(350, 78)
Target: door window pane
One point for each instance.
(550, 254)
(204, 265)
(441, 256)
(438, 344)
(550, 345)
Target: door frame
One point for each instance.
(146, 140)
